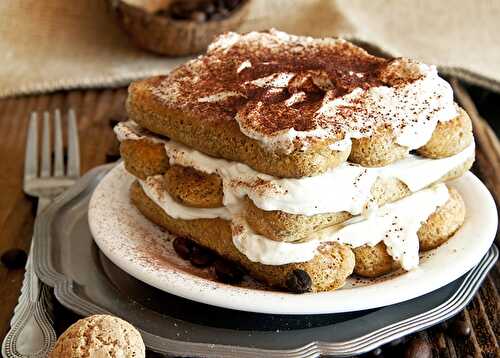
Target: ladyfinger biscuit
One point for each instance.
(144, 158)
(224, 139)
(449, 138)
(439, 227)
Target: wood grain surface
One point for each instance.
(96, 108)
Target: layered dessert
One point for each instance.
(303, 160)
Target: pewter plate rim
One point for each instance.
(65, 292)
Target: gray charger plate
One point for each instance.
(86, 282)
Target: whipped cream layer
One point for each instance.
(130, 130)
(154, 188)
(412, 107)
(396, 224)
(344, 188)
(405, 95)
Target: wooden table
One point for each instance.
(95, 109)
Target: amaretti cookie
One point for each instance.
(100, 336)
(293, 106)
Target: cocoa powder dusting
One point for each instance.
(234, 63)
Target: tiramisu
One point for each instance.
(300, 159)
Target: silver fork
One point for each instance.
(32, 333)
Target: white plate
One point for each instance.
(144, 251)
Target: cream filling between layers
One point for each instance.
(344, 188)
(350, 192)
(396, 224)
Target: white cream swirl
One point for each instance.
(395, 224)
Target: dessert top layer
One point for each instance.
(288, 91)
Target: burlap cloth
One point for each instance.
(59, 44)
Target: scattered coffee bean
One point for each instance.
(201, 257)
(459, 328)
(298, 281)
(200, 11)
(418, 348)
(14, 258)
(183, 247)
(228, 272)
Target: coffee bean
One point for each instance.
(418, 348)
(198, 16)
(459, 328)
(298, 281)
(183, 247)
(201, 257)
(14, 258)
(228, 272)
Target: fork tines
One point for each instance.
(31, 158)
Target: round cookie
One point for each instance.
(449, 137)
(100, 336)
(191, 187)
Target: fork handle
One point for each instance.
(32, 333)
